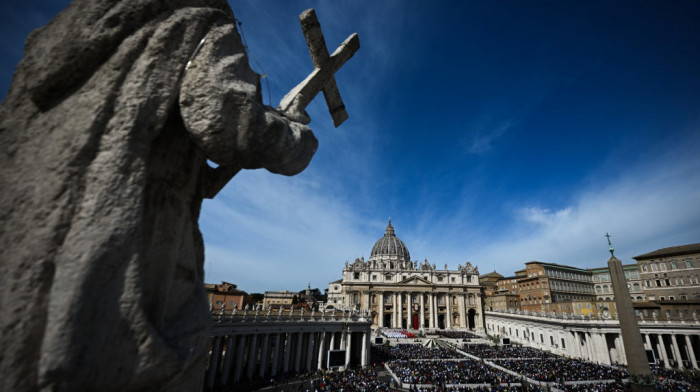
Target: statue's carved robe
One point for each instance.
(104, 141)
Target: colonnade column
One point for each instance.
(252, 357)
(691, 354)
(297, 358)
(240, 350)
(214, 363)
(263, 355)
(228, 360)
(275, 355)
(310, 350)
(287, 352)
(677, 352)
(322, 349)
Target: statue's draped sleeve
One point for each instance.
(221, 106)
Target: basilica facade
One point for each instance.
(400, 293)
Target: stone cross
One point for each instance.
(322, 78)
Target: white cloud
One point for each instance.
(482, 136)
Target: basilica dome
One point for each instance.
(390, 247)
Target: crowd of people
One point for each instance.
(412, 351)
(350, 381)
(396, 334)
(595, 387)
(505, 352)
(561, 370)
(457, 334)
(490, 388)
(439, 372)
(690, 377)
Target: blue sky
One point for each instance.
(490, 132)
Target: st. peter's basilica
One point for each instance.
(400, 293)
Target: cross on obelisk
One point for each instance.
(322, 78)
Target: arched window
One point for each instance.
(471, 299)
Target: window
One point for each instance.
(551, 340)
(563, 344)
(674, 265)
(654, 267)
(356, 298)
(541, 338)
(688, 264)
(356, 275)
(668, 282)
(452, 279)
(469, 278)
(374, 277)
(644, 267)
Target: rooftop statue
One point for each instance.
(106, 132)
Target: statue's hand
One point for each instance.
(221, 107)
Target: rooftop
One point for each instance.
(670, 251)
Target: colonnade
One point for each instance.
(600, 341)
(242, 351)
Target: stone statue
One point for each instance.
(106, 132)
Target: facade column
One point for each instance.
(648, 342)
(287, 353)
(691, 354)
(435, 310)
(677, 352)
(400, 310)
(252, 356)
(240, 351)
(264, 349)
(275, 355)
(421, 322)
(228, 360)
(431, 319)
(394, 312)
(332, 343)
(363, 360)
(214, 362)
(662, 350)
(310, 351)
(343, 339)
(380, 320)
(297, 357)
(462, 315)
(348, 344)
(603, 350)
(448, 322)
(322, 348)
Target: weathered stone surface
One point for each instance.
(102, 171)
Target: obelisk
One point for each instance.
(637, 363)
